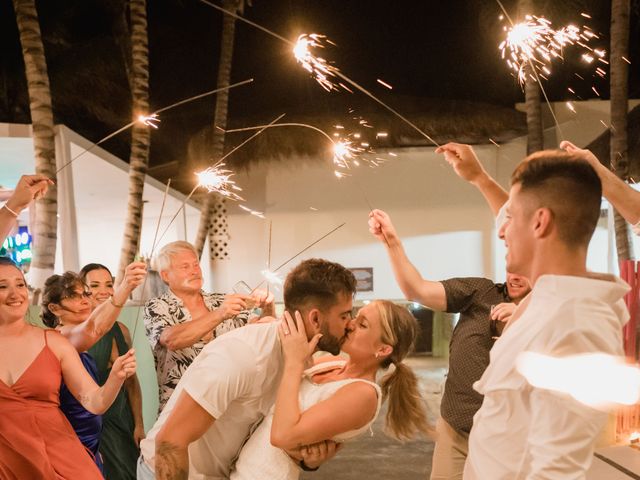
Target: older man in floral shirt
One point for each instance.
(183, 320)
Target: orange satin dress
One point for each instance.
(36, 439)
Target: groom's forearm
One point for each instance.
(172, 462)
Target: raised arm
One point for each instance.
(624, 198)
(185, 334)
(429, 293)
(134, 394)
(350, 408)
(84, 335)
(29, 188)
(467, 166)
(92, 397)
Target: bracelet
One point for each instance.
(114, 303)
(14, 213)
(306, 468)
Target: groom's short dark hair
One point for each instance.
(317, 282)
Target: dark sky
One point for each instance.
(424, 48)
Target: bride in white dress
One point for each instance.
(339, 399)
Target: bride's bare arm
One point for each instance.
(350, 408)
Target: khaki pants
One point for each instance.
(449, 453)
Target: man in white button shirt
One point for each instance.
(520, 431)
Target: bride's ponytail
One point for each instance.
(406, 415)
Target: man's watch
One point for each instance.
(306, 468)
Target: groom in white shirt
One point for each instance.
(232, 383)
(521, 431)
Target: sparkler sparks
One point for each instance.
(149, 120)
(217, 179)
(272, 278)
(609, 380)
(535, 44)
(318, 67)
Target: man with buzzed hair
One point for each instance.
(522, 431)
(233, 382)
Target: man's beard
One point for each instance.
(328, 342)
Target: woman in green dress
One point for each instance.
(122, 427)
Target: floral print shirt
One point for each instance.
(166, 311)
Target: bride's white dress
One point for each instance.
(259, 459)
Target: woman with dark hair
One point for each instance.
(338, 399)
(67, 308)
(36, 440)
(122, 424)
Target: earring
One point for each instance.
(377, 354)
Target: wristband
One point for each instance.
(306, 468)
(114, 303)
(14, 213)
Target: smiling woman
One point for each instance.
(36, 440)
(67, 307)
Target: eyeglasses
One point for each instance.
(77, 296)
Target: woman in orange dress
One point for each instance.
(36, 440)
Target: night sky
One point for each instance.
(423, 48)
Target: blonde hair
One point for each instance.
(162, 260)
(406, 414)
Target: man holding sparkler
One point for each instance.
(522, 430)
(233, 382)
(484, 307)
(181, 322)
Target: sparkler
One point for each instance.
(334, 70)
(536, 44)
(152, 119)
(216, 179)
(274, 271)
(318, 67)
(153, 248)
(617, 382)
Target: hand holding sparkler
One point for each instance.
(464, 161)
(583, 154)
(134, 275)
(381, 227)
(28, 188)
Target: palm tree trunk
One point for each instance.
(220, 120)
(140, 135)
(46, 217)
(532, 102)
(533, 106)
(619, 75)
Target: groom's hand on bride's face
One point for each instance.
(316, 454)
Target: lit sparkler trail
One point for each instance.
(152, 119)
(343, 150)
(318, 67)
(536, 44)
(213, 179)
(527, 48)
(597, 380)
(336, 72)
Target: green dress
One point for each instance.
(117, 446)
